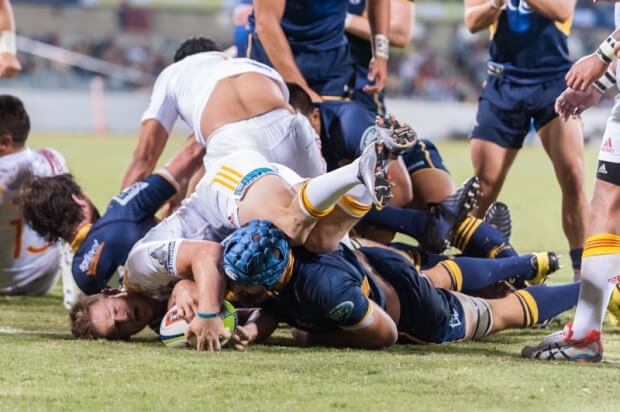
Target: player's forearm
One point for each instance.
(557, 10)
(7, 22)
(211, 283)
(379, 17)
(186, 161)
(480, 15)
(151, 143)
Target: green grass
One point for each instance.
(41, 368)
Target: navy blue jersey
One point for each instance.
(128, 217)
(314, 26)
(531, 47)
(346, 129)
(325, 292)
(315, 32)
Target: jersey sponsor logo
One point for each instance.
(455, 319)
(342, 311)
(91, 259)
(519, 15)
(164, 255)
(132, 191)
(607, 146)
(602, 170)
(251, 177)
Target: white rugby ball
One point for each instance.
(172, 330)
(172, 327)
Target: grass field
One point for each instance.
(42, 368)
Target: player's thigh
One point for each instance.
(430, 180)
(431, 186)
(563, 142)
(265, 199)
(491, 161)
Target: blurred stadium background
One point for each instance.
(105, 55)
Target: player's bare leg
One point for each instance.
(430, 186)
(491, 164)
(563, 142)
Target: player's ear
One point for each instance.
(315, 120)
(6, 143)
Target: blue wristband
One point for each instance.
(207, 315)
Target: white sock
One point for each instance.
(356, 202)
(599, 271)
(321, 193)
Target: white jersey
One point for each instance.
(24, 256)
(183, 88)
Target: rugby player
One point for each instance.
(9, 65)
(373, 297)
(29, 264)
(241, 187)
(581, 340)
(429, 176)
(57, 208)
(113, 314)
(529, 58)
(358, 34)
(305, 42)
(230, 105)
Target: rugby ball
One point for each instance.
(172, 327)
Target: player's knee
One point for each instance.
(571, 179)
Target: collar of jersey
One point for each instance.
(80, 236)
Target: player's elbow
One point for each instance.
(563, 16)
(383, 338)
(400, 38)
(472, 23)
(265, 24)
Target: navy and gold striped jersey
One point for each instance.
(325, 292)
(531, 47)
(101, 248)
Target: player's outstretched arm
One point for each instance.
(591, 67)
(200, 259)
(377, 331)
(9, 65)
(402, 15)
(151, 143)
(268, 14)
(480, 14)
(557, 10)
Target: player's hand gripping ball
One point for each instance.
(172, 328)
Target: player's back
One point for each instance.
(24, 256)
(529, 46)
(325, 291)
(184, 88)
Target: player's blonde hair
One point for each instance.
(79, 317)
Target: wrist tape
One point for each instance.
(381, 46)
(605, 51)
(606, 81)
(8, 43)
